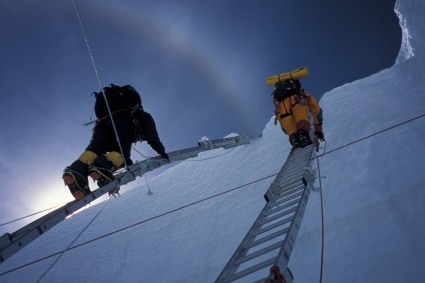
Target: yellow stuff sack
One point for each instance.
(295, 74)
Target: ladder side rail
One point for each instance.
(289, 242)
(284, 178)
(208, 145)
(10, 243)
(289, 191)
(272, 226)
(43, 222)
(281, 213)
(269, 237)
(249, 271)
(39, 221)
(28, 235)
(30, 232)
(230, 266)
(280, 196)
(248, 242)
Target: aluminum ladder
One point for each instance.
(11, 243)
(269, 242)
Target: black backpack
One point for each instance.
(120, 98)
(284, 89)
(126, 99)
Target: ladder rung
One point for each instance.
(281, 205)
(276, 209)
(284, 190)
(295, 160)
(266, 238)
(271, 227)
(277, 193)
(249, 270)
(283, 199)
(296, 166)
(278, 215)
(288, 180)
(259, 253)
(290, 190)
(272, 236)
(13, 242)
(278, 198)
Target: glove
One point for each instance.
(319, 135)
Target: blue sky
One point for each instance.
(199, 66)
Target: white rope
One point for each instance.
(99, 81)
(75, 239)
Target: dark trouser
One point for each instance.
(103, 150)
(104, 137)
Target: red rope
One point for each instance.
(323, 221)
(107, 116)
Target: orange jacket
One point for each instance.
(284, 107)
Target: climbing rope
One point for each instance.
(29, 215)
(192, 160)
(144, 173)
(98, 79)
(146, 180)
(324, 151)
(320, 181)
(208, 198)
(137, 223)
(76, 238)
(323, 220)
(374, 134)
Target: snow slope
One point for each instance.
(373, 194)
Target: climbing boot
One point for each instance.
(103, 177)
(76, 182)
(293, 140)
(100, 175)
(102, 172)
(303, 138)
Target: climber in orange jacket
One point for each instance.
(293, 107)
